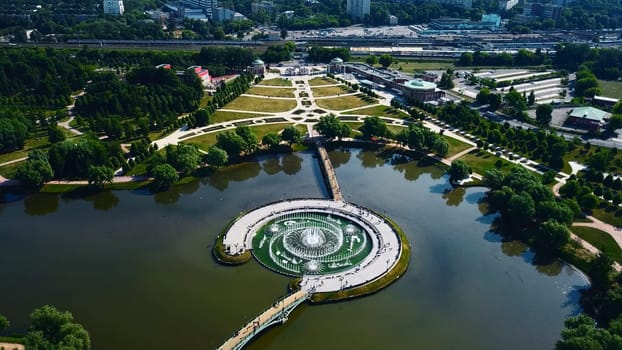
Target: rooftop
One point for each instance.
(589, 113)
(419, 84)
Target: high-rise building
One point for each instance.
(208, 6)
(357, 9)
(505, 5)
(114, 7)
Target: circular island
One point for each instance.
(336, 249)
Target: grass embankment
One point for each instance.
(219, 249)
(331, 91)
(611, 88)
(374, 286)
(600, 240)
(480, 161)
(8, 171)
(275, 82)
(342, 103)
(382, 111)
(582, 155)
(256, 104)
(321, 81)
(609, 215)
(276, 92)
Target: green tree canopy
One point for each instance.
(331, 127)
(35, 170)
(385, 60)
(99, 175)
(217, 157)
(164, 175)
(459, 170)
(543, 114)
(55, 329)
(291, 135)
(374, 127)
(271, 139)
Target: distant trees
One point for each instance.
(371, 60)
(484, 96)
(447, 82)
(324, 54)
(4, 323)
(13, 133)
(587, 84)
(279, 53)
(385, 60)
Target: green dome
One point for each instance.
(258, 62)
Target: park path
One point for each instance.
(12, 346)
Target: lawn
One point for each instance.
(600, 240)
(205, 141)
(342, 103)
(480, 161)
(609, 215)
(381, 111)
(331, 91)
(455, 146)
(411, 65)
(276, 82)
(8, 171)
(277, 92)
(611, 88)
(321, 81)
(223, 116)
(581, 155)
(254, 104)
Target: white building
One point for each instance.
(392, 20)
(114, 7)
(505, 5)
(357, 9)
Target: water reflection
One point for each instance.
(238, 172)
(412, 170)
(370, 159)
(104, 200)
(339, 157)
(454, 196)
(291, 163)
(513, 248)
(271, 166)
(41, 203)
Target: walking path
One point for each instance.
(328, 170)
(12, 346)
(274, 314)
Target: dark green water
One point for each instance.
(137, 271)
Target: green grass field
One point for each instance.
(204, 142)
(342, 103)
(321, 81)
(612, 217)
(611, 88)
(8, 171)
(455, 146)
(600, 240)
(381, 111)
(330, 91)
(254, 104)
(582, 155)
(412, 65)
(480, 161)
(276, 82)
(277, 92)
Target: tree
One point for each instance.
(271, 140)
(291, 135)
(459, 170)
(515, 100)
(283, 33)
(35, 170)
(493, 178)
(615, 122)
(164, 175)
(532, 98)
(248, 135)
(183, 157)
(373, 127)
(588, 201)
(98, 175)
(54, 329)
(553, 235)
(446, 82)
(385, 60)
(217, 157)
(230, 142)
(371, 60)
(4, 323)
(330, 127)
(55, 134)
(543, 114)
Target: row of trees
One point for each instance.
(522, 58)
(51, 328)
(146, 94)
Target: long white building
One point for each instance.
(114, 7)
(357, 9)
